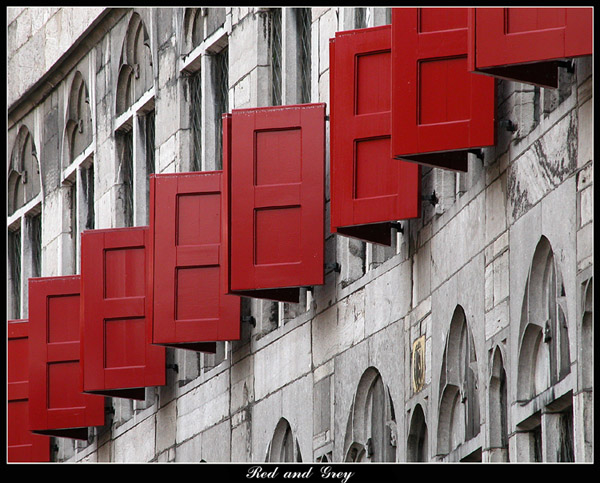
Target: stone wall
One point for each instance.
(473, 249)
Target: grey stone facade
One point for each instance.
(469, 339)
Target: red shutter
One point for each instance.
(191, 307)
(57, 405)
(525, 44)
(23, 445)
(118, 357)
(369, 189)
(275, 167)
(440, 110)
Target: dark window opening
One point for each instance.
(195, 85)
(150, 155)
(36, 245)
(221, 85)
(303, 20)
(360, 18)
(14, 252)
(87, 185)
(276, 52)
(126, 172)
(567, 453)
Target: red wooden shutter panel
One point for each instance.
(118, 357)
(440, 110)
(191, 307)
(369, 189)
(526, 44)
(23, 445)
(57, 405)
(275, 167)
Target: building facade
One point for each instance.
(469, 339)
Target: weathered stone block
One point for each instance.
(282, 361)
(388, 298)
(166, 419)
(136, 446)
(203, 407)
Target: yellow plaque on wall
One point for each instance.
(417, 364)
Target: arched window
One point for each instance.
(135, 125)
(283, 447)
(498, 413)
(544, 357)
(24, 247)
(417, 444)
(78, 171)
(24, 172)
(371, 430)
(79, 133)
(459, 419)
(193, 28)
(587, 336)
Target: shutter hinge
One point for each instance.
(477, 152)
(250, 320)
(175, 367)
(432, 198)
(335, 267)
(568, 65)
(398, 226)
(508, 125)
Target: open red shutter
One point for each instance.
(23, 445)
(275, 167)
(118, 357)
(440, 110)
(369, 189)
(57, 405)
(526, 44)
(191, 307)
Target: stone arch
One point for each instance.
(284, 446)
(498, 404)
(193, 28)
(459, 415)
(587, 336)
(135, 75)
(544, 357)
(418, 444)
(371, 428)
(78, 126)
(24, 180)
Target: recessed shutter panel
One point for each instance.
(527, 44)
(119, 359)
(275, 170)
(191, 307)
(440, 110)
(23, 445)
(369, 189)
(57, 405)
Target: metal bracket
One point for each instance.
(477, 152)
(336, 267)
(508, 125)
(175, 367)
(398, 226)
(250, 320)
(568, 65)
(432, 198)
